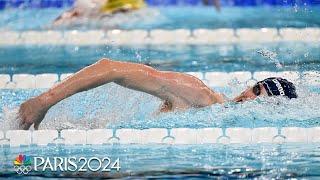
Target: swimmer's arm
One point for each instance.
(130, 75)
(220, 98)
(68, 15)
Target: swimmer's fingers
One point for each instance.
(23, 124)
(36, 126)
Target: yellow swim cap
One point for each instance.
(112, 6)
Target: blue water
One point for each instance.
(111, 106)
(171, 18)
(187, 161)
(295, 56)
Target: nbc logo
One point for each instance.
(22, 164)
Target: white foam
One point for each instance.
(292, 76)
(240, 76)
(263, 75)
(311, 77)
(289, 75)
(10, 120)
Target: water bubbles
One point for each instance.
(271, 56)
(113, 106)
(267, 53)
(295, 7)
(138, 56)
(10, 119)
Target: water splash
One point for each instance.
(10, 119)
(112, 106)
(271, 56)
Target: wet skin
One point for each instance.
(178, 91)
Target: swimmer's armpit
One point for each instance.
(221, 98)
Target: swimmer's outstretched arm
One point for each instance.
(178, 90)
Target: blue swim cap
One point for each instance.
(276, 86)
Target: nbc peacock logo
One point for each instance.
(22, 164)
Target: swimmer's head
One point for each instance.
(273, 86)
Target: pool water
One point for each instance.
(112, 106)
(263, 161)
(294, 56)
(171, 18)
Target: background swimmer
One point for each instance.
(97, 9)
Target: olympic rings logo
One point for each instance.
(22, 169)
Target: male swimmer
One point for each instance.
(177, 90)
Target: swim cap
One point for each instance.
(276, 86)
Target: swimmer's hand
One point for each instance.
(31, 112)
